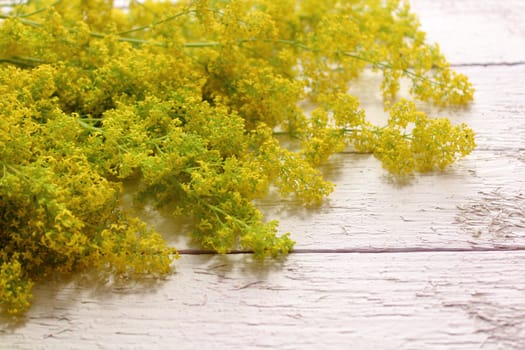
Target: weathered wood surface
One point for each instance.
(422, 279)
(322, 301)
(486, 32)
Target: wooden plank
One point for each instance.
(496, 115)
(328, 301)
(425, 300)
(453, 209)
(473, 31)
(478, 203)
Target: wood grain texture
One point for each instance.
(368, 211)
(323, 301)
(417, 296)
(483, 32)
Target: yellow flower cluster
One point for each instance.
(186, 99)
(15, 290)
(411, 141)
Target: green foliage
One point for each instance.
(185, 98)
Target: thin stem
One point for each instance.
(92, 34)
(23, 21)
(202, 44)
(27, 62)
(43, 9)
(87, 126)
(225, 214)
(151, 25)
(381, 65)
(4, 172)
(187, 11)
(385, 66)
(294, 43)
(128, 39)
(13, 170)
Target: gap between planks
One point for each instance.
(488, 64)
(477, 149)
(366, 250)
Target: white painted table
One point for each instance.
(437, 264)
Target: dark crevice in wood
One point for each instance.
(368, 250)
(478, 149)
(500, 149)
(488, 64)
(407, 250)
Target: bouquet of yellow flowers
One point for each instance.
(185, 98)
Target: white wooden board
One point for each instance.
(484, 32)
(311, 301)
(441, 258)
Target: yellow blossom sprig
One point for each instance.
(411, 141)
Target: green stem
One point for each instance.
(17, 62)
(4, 171)
(187, 11)
(23, 21)
(151, 25)
(203, 44)
(43, 9)
(216, 209)
(35, 24)
(381, 65)
(294, 43)
(11, 169)
(87, 126)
